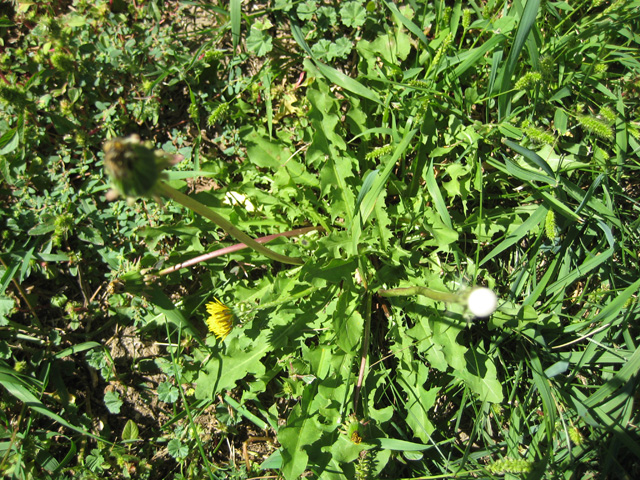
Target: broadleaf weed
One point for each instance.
(370, 136)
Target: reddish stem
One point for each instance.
(235, 248)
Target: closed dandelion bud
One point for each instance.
(134, 167)
(550, 225)
(510, 465)
(596, 126)
(352, 428)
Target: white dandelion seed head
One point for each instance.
(482, 302)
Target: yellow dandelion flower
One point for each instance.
(220, 321)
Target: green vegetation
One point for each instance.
(393, 156)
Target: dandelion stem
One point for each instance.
(427, 292)
(235, 248)
(224, 224)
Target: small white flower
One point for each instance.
(482, 302)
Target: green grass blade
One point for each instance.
(399, 445)
(258, 422)
(17, 388)
(347, 82)
(619, 380)
(525, 174)
(25, 263)
(600, 208)
(81, 347)
(369, 200)
(366, 187)
(298, 36)
(596, 183)
(599, 417)
(560, 207)
(412, 27)
(8, 276)
(524, 29)
(534, 219)
(612, 310)
(533, 40)
(436, 195)
(581, 271)
(235, 13)
(533, 297)
(541, 382)
(71, 454)
(472, 57)
(267, 78)
(495, 69)
(530, 155)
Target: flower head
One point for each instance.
(220, 321)
(135, 167)
(482, 302)
(352, 428)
